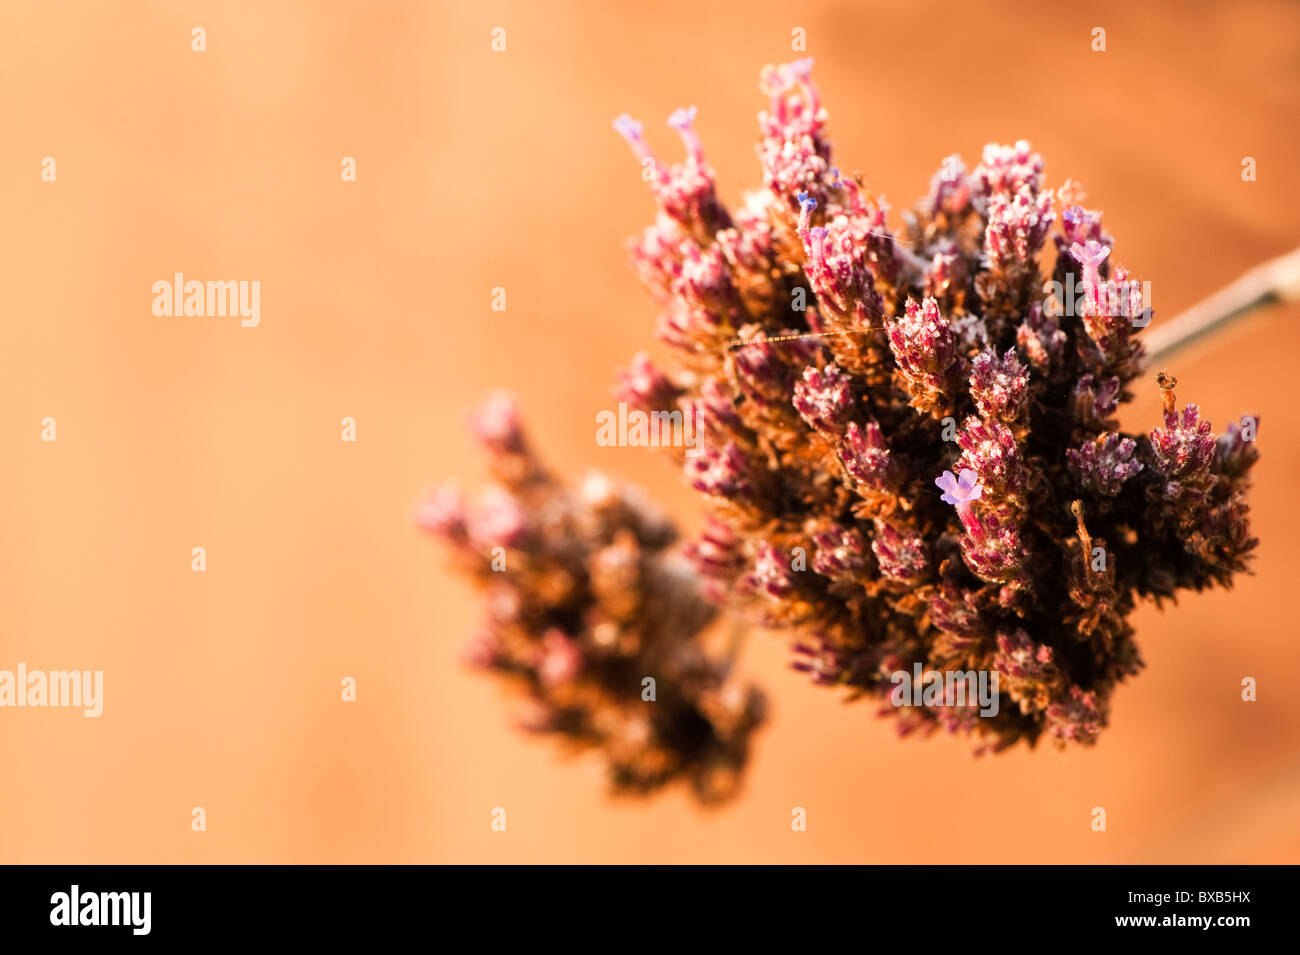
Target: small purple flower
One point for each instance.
(838, 264)
(1081, 225)
(685, 191)
(1091, 255)
(717, 555)
(960, 490)
(630, 130)
(683, 120)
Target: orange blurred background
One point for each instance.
(476, 170)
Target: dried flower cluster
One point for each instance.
(838, 371)
(586, 602)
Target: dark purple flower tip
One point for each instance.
(824, 398)
(1102, 466)
(759, 368)
(992, 546)
(498, 520)
(482, 650)
(1075, 717)
(496, 424)
(806, 206)
(1081, 225)
(443, 512)
(999, 385)
(903, 556)
(771, 574)
(1007, 168)
(1184, 447)
(715, 410)
(989, 449)
(924, 344)
(1040, 338)
(722, 473)
(1095, 400)
(560, 659)
(1019, 657)
(816, 247)
(841, 553)
(644, 386)
(1236, 449)
(865, 454)
(1017, 226)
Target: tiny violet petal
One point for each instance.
(682, 118)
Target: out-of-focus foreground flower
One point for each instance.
(836, 370)
(595, 617)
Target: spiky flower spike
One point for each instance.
(595, 617)
(839, 371)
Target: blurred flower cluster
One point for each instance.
(838, 371)
(596, 619)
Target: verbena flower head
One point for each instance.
(586, 599)
(840, 369)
